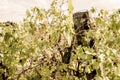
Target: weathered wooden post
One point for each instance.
(81, 23)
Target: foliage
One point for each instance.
(37, 48)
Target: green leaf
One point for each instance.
(7, 37)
